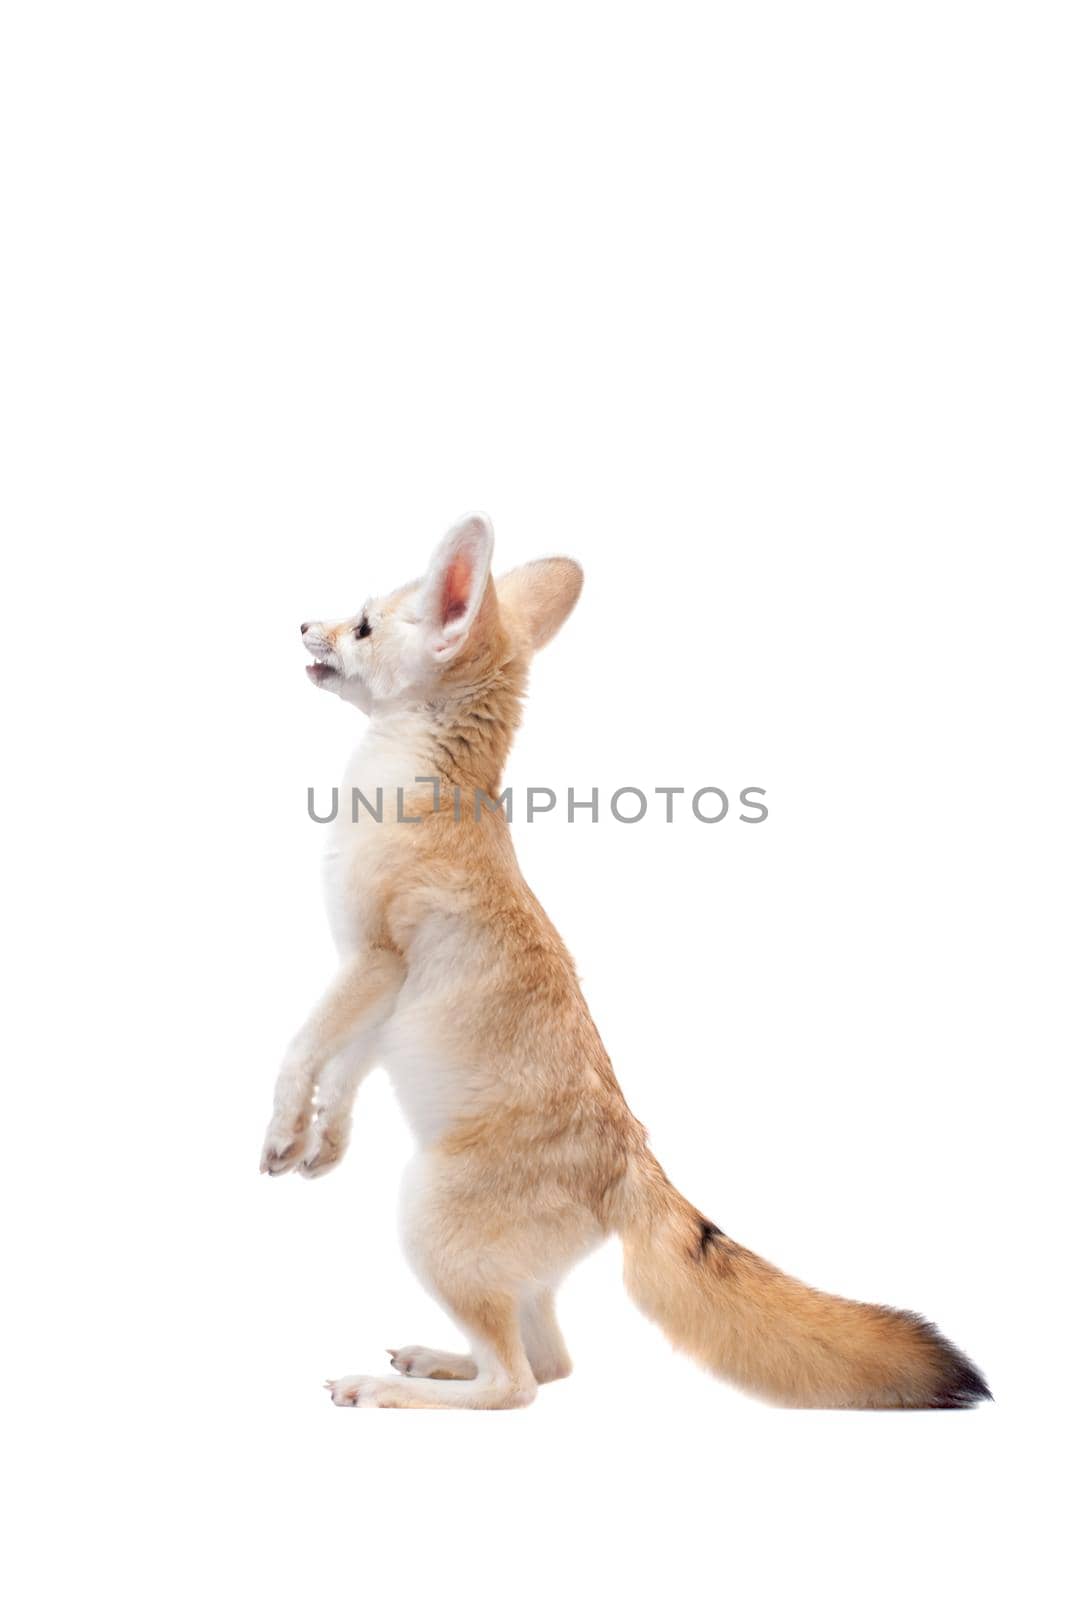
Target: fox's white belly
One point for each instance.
(432, 1090)
(429, 1045)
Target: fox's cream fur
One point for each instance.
(452, 975)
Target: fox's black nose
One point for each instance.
(304, 626)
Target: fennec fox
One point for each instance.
(453, 976)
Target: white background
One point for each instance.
(758, 312)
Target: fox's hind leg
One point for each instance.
(487, 1247)
(541, 1339)
(502, 1377)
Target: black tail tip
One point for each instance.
(955, 1383)
(962, 1385)
(965, 1389)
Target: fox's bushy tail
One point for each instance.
(769, 1333)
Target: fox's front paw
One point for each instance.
(326, 1145)
(282, 1148)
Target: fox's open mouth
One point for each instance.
(320, 671)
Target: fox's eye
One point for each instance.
(363, 630)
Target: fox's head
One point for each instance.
(446, 633)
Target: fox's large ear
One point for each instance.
(454, 585)
(540, 596)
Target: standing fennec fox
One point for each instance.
(452, 974)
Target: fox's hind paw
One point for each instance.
(416, 1361)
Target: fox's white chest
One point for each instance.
(356, 850)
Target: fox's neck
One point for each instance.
(462, 740)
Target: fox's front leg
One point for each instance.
(327, 1138)
(359, 999)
